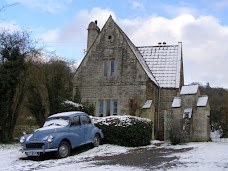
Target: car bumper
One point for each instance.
(38, 150)
(42, 147)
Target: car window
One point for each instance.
(85, 120)
(75, 121)
(56, 122)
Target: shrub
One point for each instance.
(128, 131)
(178, 136)
(72, 106)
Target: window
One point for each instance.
(109, 68)
(112, 68)
(105, 68)
(85, 120)
(107, 107)
(101, 107)
(115, 107)
(75, 121)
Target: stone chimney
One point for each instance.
(93, 31)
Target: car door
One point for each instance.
(87, 128)
(77, 132)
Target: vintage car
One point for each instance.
(60, 133)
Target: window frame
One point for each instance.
(109, 107)
(109, 67)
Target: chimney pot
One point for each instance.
(96, 22)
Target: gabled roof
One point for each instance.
(138, 55)
(202, 101)
(176, 102)
(147, 104)
(164, 61)
(190, 89)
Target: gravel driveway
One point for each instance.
(145, 158)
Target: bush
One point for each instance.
(178, 136)
(127, 131)
(72, 106)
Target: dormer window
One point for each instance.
(109, 68)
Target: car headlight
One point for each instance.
(48, 138)
(22, 139)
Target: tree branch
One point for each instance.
(6, 6)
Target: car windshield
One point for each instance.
(56, 122)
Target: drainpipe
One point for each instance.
(159, 99)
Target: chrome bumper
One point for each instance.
(39, 150)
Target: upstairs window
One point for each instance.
(109, 68)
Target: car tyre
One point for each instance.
(63, 150)
(96, 140)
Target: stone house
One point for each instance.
(121, 79)
(191, 113)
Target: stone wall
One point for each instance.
(130, 83)
(198, 123)
(166, 99)
(201, 123)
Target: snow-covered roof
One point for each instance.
(187, 113)
(164, 61)
(147, 104)
(190, 89)
(139, 57)
(202, 101)
(176, 102)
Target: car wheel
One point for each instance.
(63, 150)
(96, 140)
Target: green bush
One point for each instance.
(72, 106)
(127, 131)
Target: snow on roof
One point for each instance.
(164, 61)
(192, 89)
(139, 56)
(187, 113)
(202, 101)
(65, 114)
(147, 104)
(176, 102)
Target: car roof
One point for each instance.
(69, 114)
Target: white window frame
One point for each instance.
(105, 110)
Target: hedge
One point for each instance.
(127, 131)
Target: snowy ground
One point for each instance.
(203, 156)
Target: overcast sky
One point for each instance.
(201, 26)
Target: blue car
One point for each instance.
(60, 133)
